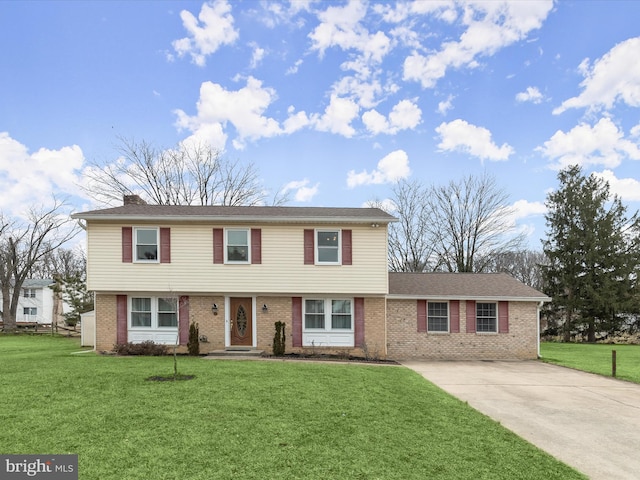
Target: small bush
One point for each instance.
(147, 348)
(193, 345)
(279, 340)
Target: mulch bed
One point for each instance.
(323, 357)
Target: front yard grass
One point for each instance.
(247, 420)
(595, 358)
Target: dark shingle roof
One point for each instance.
(264, 214)
(461, 286)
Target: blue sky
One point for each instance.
(332, 101)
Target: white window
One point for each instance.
(153, 312)
(486, 318)
(30, 311)
(146, 245)
(328, 247)
(437, 317)
(237, 245)
(29, 293)
(328, 322)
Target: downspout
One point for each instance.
(538, 327)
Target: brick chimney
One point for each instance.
(133, 200)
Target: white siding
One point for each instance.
(282, 270)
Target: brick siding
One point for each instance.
(405, 342)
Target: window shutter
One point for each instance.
(121, 319)
(471, 316)
(346, 247)
(127, 244)
(358, 327)
(165, 245)
(454, 316)
(309, 254)
(296, 321)
(256, 245)
(183, 320)
(503, 317)
(422, 315)
(218, 245)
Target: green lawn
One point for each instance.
(595, 358)
(247, 420)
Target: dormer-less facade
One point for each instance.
(236, 271)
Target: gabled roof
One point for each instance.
(35, 282)
(461, 286)
(177, 213)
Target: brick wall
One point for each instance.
(404, 341)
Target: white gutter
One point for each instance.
(538, 315)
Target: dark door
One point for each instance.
(241, 321)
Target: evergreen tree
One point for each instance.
(593, 255)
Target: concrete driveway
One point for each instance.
(589, 422)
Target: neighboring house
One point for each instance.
(36, 302)
(237, 270)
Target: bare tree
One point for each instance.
(525, 265)
(410, 246)
(470, 224)
(185, 175)
(22, 245)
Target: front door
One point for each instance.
(240, 315)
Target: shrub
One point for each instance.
(148, 348)
(193, 345)
(279, 340)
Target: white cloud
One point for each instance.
(257, 56)
(524, 209)
(212, 29)
(304, 193)
(445, 105)
(628, 189)
(405, 115)
(33, 178)
(340, 27)
(243, 108)
(603, 144)
(393, 167)
(490, 26)
(337, 117)
(461, 136)
(531, 94)
(614, 77)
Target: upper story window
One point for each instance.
(486, 317)
(437, 317)
(237, 245)
(30, 311)
(146, 244)
(328, 246)
(29, 293)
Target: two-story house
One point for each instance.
(323, 271)
(37, 303)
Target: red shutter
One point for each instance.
(121, 319)
(309, 254)
(346, 247)
(422, 315)
(218, 245)
(256, 245)
(358, 314)
(127, 244)
(183, 320)
(471, 316)
(454, 316)
(165, 245)
(503, 317)
(296, 321)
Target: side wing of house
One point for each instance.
(462, 317)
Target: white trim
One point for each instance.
(134, 245)
(227, 320)
(162, 335)
(328, 336)
(316, 245)
(465, 298)
(247, 230)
